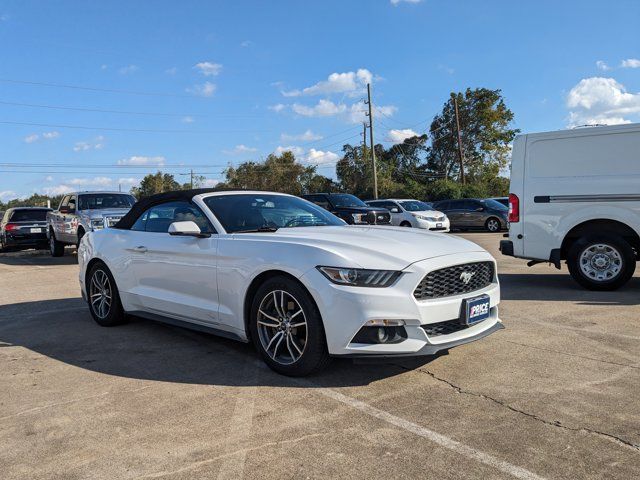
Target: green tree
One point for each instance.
(486, 133)
(35, 200)
(155, 183)
(278, 173)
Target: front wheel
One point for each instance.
(287, 329)
(601, 262)
(405, 224)
(104, 299)
(493, 225)
(55, 247)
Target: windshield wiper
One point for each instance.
(259, 229)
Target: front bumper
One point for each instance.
(433, 226)
(345, 310)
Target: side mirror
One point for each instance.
(186, 229)
(480, 209)
(394, 210)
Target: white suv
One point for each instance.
(407, 212)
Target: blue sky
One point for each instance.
(205, 84)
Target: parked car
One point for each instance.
(82, 212)
(575, 196)
(24, 227)
(289, 276)
(470, 213)
(413, 213)
(350, 208)
(503, 200)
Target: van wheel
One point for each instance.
(55, 247)
(601, 262)
(405, 224)
(493, 225)
(286, 328)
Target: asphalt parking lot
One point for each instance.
(554, 395)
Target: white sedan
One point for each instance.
(406, 212)
(289, 276)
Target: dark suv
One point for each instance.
(350, 208)
(24, 227)
(468, 213)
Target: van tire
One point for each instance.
(610, 248)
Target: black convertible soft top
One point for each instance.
(143, 204)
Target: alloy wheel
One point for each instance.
(601, 262)
(493, 225)
(282, 327)
(100, 294)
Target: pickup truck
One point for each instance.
(82, 212)
(350, 208)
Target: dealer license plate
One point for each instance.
(476, 309)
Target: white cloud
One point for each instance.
(601, 100)
(246, 43)
(307, 136)
(447, 69)
(34, 137)
(95, 144)
(91, 182)
(187, 119)
(210, 182)
(351, 83)
(357, 112)
(278, 107)
(324, 108)
(602, 66)
(630, 63)
(7, 195)
(318, 157)
(128, 69)
(57, 190)
(399, 136)
(4, 17)
(171, 71)
(141, 160)
(395, 3)
(297, 151)
(129, 181)
(238, 149)
(48, 178)
(208, 69)
(206, 89)
(104, 66)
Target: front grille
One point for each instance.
(375, 218)
(451, 280)
(443, 328)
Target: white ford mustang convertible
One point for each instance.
(289, 276)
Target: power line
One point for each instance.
(96, 89)
(115, 129)
(99, 110)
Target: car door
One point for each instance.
(455, 211)
(474, 214)
(70, 221)
(175, 276)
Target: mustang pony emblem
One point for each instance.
(466, 277)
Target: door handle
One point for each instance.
(140, 249)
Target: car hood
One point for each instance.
(428, 213)
(363, 209)
(392, 248)
(116, 212)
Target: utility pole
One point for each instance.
(191, 173)
(364, 136)
(460, 154)
(373, 145)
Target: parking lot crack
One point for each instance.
(555, 423)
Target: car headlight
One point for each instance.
(359, 277)
(359, 217)
(429, 219)
(99, 223)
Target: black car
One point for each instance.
(468, 213)
(350, 208)
(24, 227)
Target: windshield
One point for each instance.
(415, 206)
(346, 200)
(28, 216)
(243, 212)
(494, 204)
(97, 201)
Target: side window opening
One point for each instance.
(157, 219)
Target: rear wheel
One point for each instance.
(104, 299)
(55, 247)
(286, 328)
(601, 262)
(493, 225)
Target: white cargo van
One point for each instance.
(575, 196)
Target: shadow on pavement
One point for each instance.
(560, 287)
(42, 258)
(64, 330)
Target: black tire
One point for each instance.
(493, 225)
(405, 224)
(622, 255)
(314, 355)
(80, 235)
(55, 247)
(115, 314)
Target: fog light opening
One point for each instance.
(379, 335)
